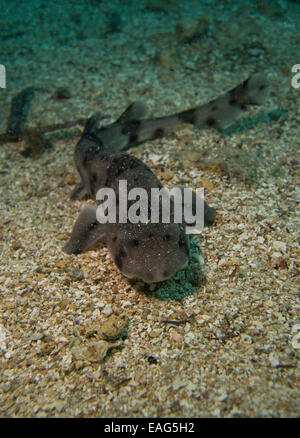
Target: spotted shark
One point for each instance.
(148, 251)
(131, 129)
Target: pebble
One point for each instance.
(70, 179)
(175, 336)
(274, 360)
(16, 245)
(93, 352)
(113, 328)
(34, 313)
(207, 184)
(77, 274)
(222, 395)
(279, 245)
(6, 387)
(178, 383)
(155, 158)
(107, 310)
(110, 330)
(167, 175)
(246, 338)
(3, 338)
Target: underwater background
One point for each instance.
(220, 339)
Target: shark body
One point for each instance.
(146, 251)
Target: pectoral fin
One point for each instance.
(91, 124)
(79, 192)
(209, 212)
(86, 231)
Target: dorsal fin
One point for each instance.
(135, 111)
(91, 124)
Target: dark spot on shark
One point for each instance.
(159, 132)
(188, 116)
(245, 83)
(233, 101)
(133, 138)
(135, 242)
(211, 121)
(130, 127)
(167, 237)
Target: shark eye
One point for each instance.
(119, 258)
(135, 242)
(181, 240)
(183, 244)
(167, 237)
(122, 253)
(92, 225)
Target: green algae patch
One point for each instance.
(255, 120)
(186, 281)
